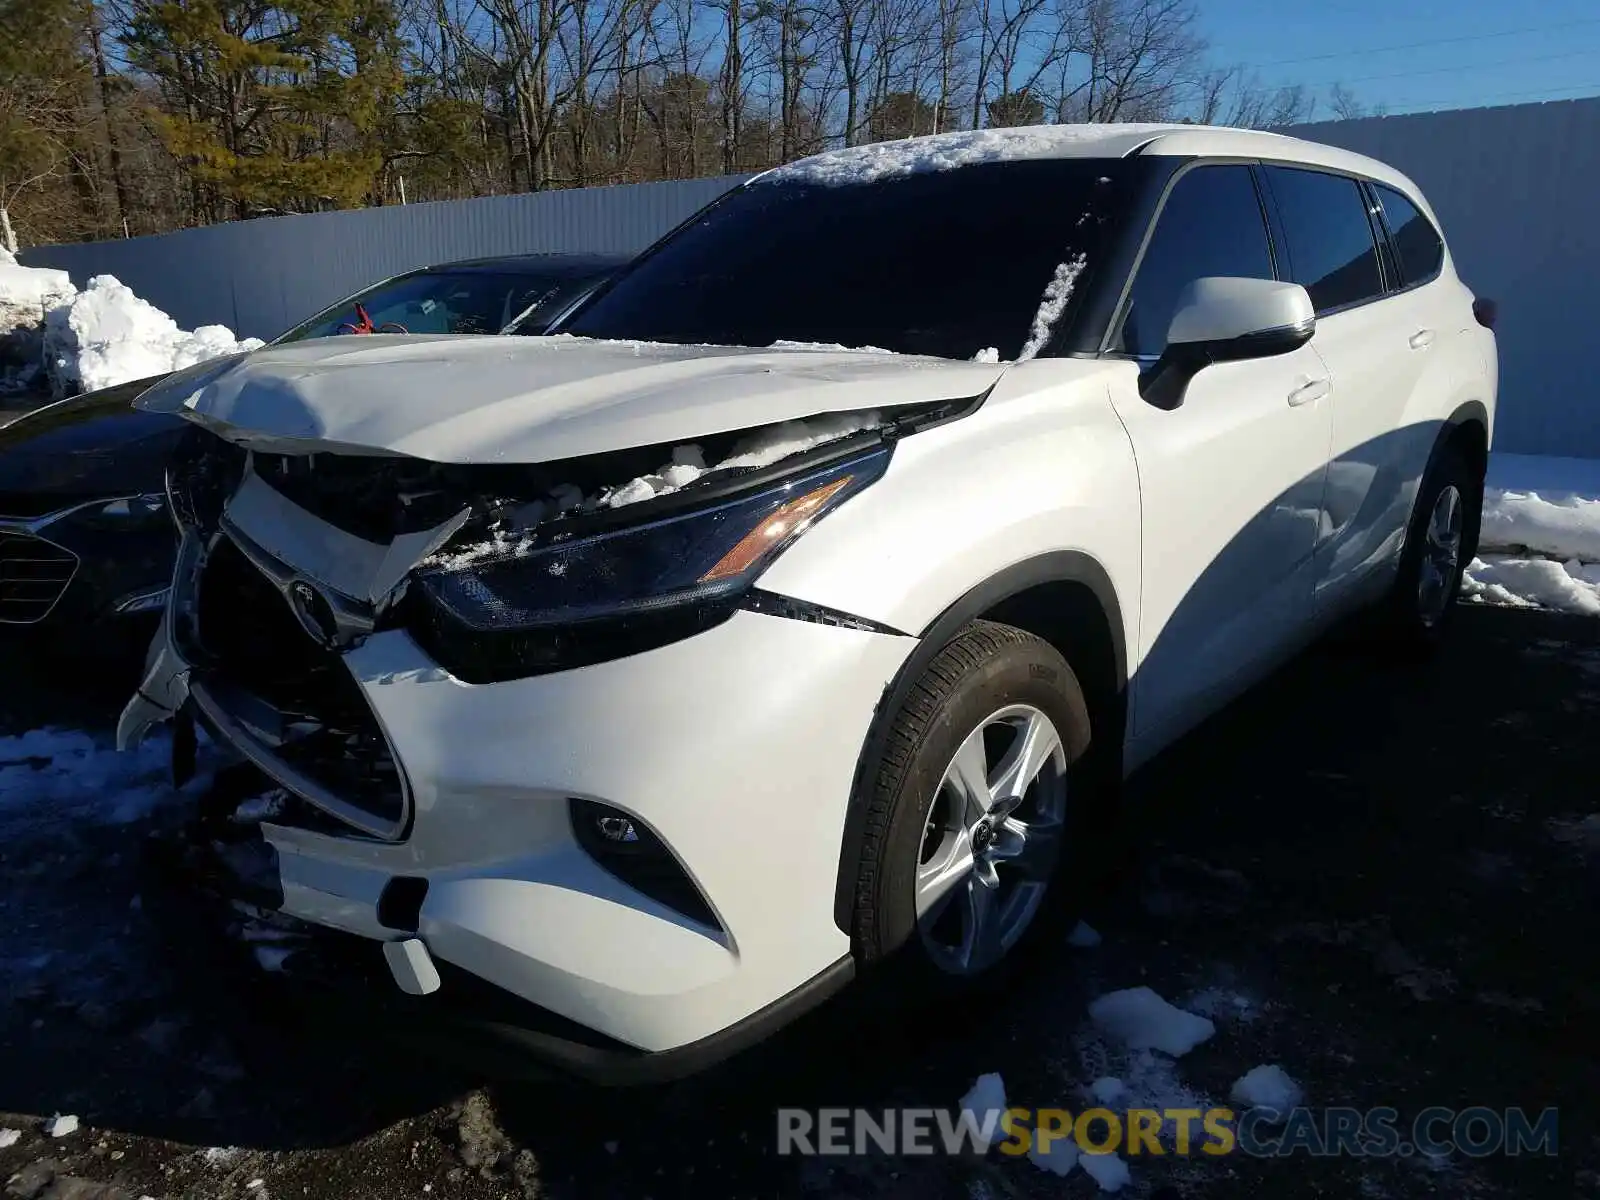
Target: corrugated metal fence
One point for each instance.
(1515, 189)
(260, 277)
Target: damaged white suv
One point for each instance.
(635, 687)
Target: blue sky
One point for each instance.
(1413, 57)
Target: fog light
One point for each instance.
(616, 829)
(634, 853)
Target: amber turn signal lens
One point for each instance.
(785, 520)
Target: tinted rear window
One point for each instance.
(1331, 251)
(946, 263)
(1420, 247)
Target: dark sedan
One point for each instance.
(84, 534)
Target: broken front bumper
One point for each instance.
(736, 748)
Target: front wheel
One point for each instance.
(973, 810)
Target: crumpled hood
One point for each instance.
(538, 399)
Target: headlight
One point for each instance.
(706, 554)
(586, 598)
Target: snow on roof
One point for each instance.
(946, 151)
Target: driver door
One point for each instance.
(1231, 481)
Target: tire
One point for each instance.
(1418, 609)
(920, 819)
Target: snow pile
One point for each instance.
(60, 1126)
(107, 336)
(1056, 294)
(103, 336)
(1142, 1020)
(26, 295)
(1267, 1086)
(1540, 545)
(9, 1137)
(944, 152)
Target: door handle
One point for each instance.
(1313, 389)
(1422, 339)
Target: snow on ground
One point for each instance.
(984, 1104)
(1541, 535)
(56, 776)
(1267, 1086)
(1144, 1021)
(102, 336)
(60, 1126)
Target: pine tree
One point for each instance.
(272, 107)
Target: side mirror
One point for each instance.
(1224, 319)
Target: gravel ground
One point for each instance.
(1378, 877)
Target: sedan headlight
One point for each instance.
(584, 598)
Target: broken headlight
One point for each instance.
(588, 597)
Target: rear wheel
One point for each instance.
(1439, 543)
(974, 809)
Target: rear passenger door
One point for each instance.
(1376, 341)
(1230, 481)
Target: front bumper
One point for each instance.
(737, 747)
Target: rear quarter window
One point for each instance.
(1416, 241)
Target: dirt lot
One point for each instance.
(1375, 876)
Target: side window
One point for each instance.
(1210, 225)
(1331, 250)
(1418, 243)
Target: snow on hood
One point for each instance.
(462, 399)
(947, 151)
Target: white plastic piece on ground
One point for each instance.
(987, 1096)
(1059, 1156)
(1084, 936)
(107, 335)
(1108, 1170)
(412, 966)
(9, 1137)
(1267, 1086)
(60, 1126)
(1144, 1021)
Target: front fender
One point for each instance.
(1043, 467)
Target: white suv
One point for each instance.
(783, 619)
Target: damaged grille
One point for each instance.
(291, 696)
(33, 575)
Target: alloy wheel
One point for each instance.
(1441, 556)
(992, 839)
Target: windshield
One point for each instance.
(475, 301)
(950, 263)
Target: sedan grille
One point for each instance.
(33, 575)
